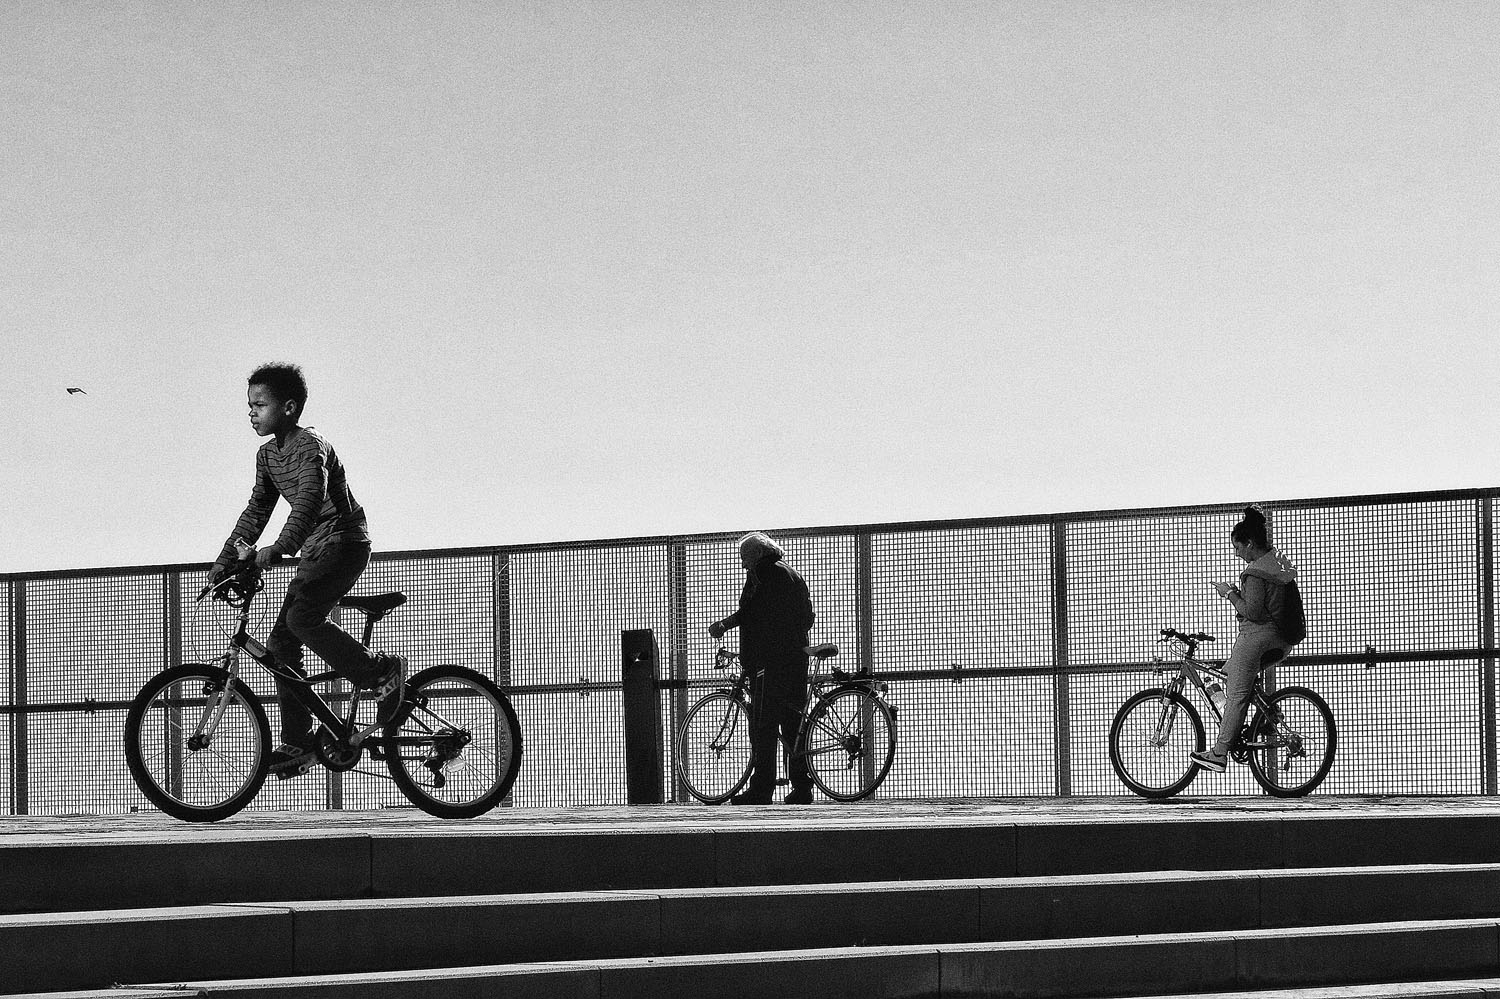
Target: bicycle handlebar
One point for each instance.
(245, 569)
(1171, 633)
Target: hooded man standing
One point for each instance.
(774, 618)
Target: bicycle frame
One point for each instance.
(342, 730)
(819, 685)
(1191, 669)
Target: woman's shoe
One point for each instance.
(1208, 761)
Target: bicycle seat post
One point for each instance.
(369, 629)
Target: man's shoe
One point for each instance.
(750, 799)
(1208, 761)
(291, 760)
(389, 688)
(799, 796)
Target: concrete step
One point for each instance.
(1278, 960)
(320, 937)
(213, 866)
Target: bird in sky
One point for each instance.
(76, 391)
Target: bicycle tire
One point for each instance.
(196, 783)
(849, 742)
(1151, 764)
(1301, 742)
(454, 747)
(713, 752)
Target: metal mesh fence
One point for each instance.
(1007, 646)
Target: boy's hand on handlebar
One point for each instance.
(717, 629)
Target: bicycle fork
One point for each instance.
(215, 703)
(1167, 717)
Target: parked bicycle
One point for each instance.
(198, 742)
(1289, 738)
(848, 733)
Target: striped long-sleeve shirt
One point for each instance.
(306, 471)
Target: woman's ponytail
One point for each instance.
(1254, 529)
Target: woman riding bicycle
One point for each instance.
(774, 618)
(1259, 644)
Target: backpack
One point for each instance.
(1287, 613)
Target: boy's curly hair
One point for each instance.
(284, 380)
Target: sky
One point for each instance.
(565, 270)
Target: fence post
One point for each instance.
(1062, 710)
(172, 653)
(864, 602)
(500, 601)
(1487, 638)
(19, 772)
(677, 666)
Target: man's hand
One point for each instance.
(266, 557)
(217, 573)
(716, 630)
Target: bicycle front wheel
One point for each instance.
(713, 748)
(1292, 742)
(849, 742)
(1149, 742)
(454, 748)
(197, 743)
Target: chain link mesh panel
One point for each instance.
(1001, 688)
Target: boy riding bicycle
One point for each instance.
(328, 526)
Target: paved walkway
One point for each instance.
(933, 811)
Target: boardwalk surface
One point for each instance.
(887, 813)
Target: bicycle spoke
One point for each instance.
(712, 751)
(1294, 741)
(848, 743)
(456, 751)
(1150, 740)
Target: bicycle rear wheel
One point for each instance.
(197, 743)
(1292, 742)
(454, 748)
(713, 748)
(849, 742)
(1149, 743)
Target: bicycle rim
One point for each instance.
(713, 748)
(455, 748)
(196, 743)
(1294, 743)
(849, 742)
(1150, 740)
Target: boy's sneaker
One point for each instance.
(390, 687)
(291, 760)
(799, 796)
(1208, 761)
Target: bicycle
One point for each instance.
(847, 736)
(198, 742)
(1289, 738)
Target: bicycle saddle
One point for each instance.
(375, 603)
(825, 651)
